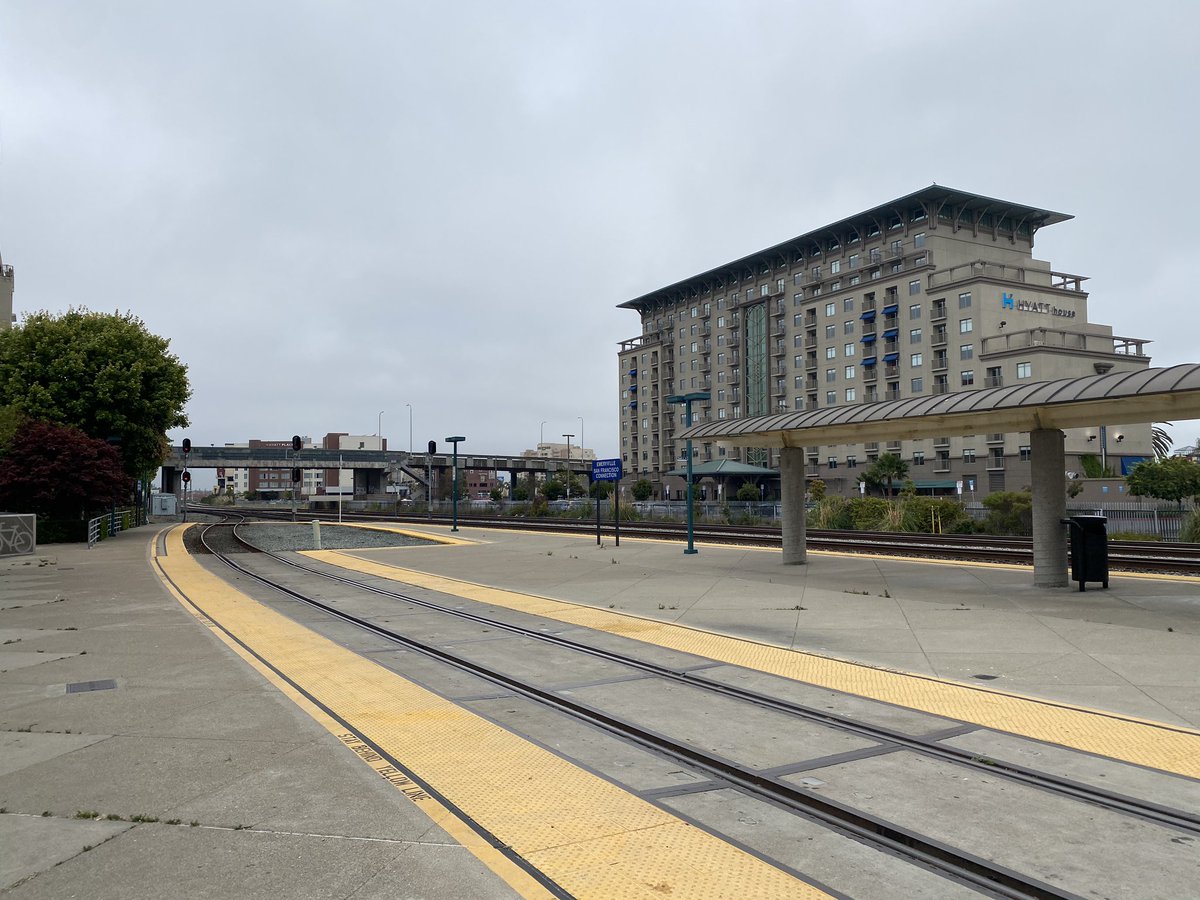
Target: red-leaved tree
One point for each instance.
(60, 473)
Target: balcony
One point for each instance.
(942, 441)
(938, 311)
(995, 437)
(942, 388)
(995, 464)
(993, 381)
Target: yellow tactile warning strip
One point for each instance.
(1166, 747)
(435, 537)
(586, 835)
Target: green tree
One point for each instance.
(600, 489)
(748, 491)
(1173, 478)
(552, 489)
(496, 494)
(642, 489)
(1009, 512)
(1160, 440)
(816, 490)
(60, 473)
(103, 373)
(886, 470)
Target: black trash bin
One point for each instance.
(1089, 549)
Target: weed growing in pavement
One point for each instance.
(87, 814)
(240, 827)
(174, 822)
(87, 847)
(46, 813)
(860, 593)
(660, 606)
(113, 817)
(614, 560)
(25, 730)
(549, 552)
(13, 641)
(142, 817)
(194, 823)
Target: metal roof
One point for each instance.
(727, 467)
(1144, 395)
(934, 193)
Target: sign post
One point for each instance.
(608, 470)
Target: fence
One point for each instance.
(113, 522)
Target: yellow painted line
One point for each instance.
(588, 836)
(1154, 744)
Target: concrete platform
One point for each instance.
(251, 796)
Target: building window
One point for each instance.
(848, 305)
(914, 336)
(695, 312)
(851, 462)
(830, 331)
(914, 287)
(968, 378)
(919, 240)
(831, 352)
(1024, 370)
(849, 372)
(830, 309)
(918, 457)
(816, 273)
(966, 351)
(831, 398)
(850, 395)
(968, 455)
(964, 300)
(835, 267)
(1026, 453)
(916, 360)
(721, 413)
(918, 385)
(833, 462)
(830, 375)
(848, 349)
(965, 326)
(914, 311)
(854, 260)
(848, 327)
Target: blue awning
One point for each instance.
(868, 362)
(868, 316)
(633, 404)
(891, 309)
(890, 357)
(633, 373)
(868, 338)
(890, 333)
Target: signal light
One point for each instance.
(296, 442)
(433, 446)
(187, 445)
(296, 476)
(187, 476)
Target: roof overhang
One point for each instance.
(1117, 398)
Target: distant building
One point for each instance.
(7, 284)
(548, 450)
(934, 293)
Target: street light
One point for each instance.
(542, 436)
(568, 437)
(687, 400)
(409, 405)
(454, 489)
(379, 424)
(581, 445)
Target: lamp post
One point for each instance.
(568, 437)
(686, 400)
(379, 425)
(542, 435)
(580, 418)
(454, 486)
(409, 405)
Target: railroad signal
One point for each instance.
(296, 475)
(296, 442)
(187, 476)
(433, 446)
(187, 445)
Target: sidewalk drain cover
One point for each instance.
(80, 687)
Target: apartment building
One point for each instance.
(932, 293)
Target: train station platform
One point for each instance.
(139, 751)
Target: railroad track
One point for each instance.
(961, 866)
(1123, 556)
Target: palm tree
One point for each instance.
(889, 469)
(1161, 440)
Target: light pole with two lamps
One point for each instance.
(454, 487)
(687, 400)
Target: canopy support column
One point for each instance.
(1048, 462)
(791, 480)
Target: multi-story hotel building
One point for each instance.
(932, 293)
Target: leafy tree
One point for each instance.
(552, 489)
(748, 491)
(103, 373)
(1092, 467)
(642, 489)
(816, 490)
(1173, 478)
(60, 473)
(886, 470)
(521, 493)
(1160, 440)
(600, 489)
(496, 494)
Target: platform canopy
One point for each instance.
(1115, 398)
(727, 468)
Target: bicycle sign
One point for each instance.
(18, 534)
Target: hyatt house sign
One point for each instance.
(1008, 301)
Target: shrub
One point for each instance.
(832, 513)
(1009, 512)
(642, 489)
(1189, 531)
(932, 514)
(869, 513)
(63, 531)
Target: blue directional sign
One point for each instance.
(606, 470)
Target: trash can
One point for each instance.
(1089, 549)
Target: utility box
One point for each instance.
(162, 505)
(1089, 549)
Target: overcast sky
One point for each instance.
(333, 209)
